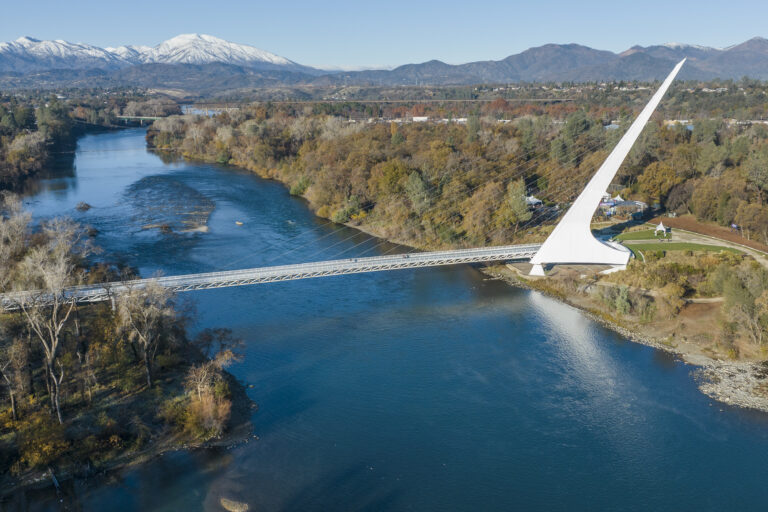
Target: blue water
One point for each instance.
(430, 389)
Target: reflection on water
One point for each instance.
(430, 389)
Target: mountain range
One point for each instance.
(202, 62)
(26, 54)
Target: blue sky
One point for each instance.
(390, 32)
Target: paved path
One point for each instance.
(682, 235)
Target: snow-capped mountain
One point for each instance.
(683, 46)
(196, 62)
(203, 49)
(27, 54)
(131, 54)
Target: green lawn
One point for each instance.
(646, 234)
(679, 246)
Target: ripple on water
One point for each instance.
(165, 203)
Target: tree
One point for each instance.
(479, 209)
(201, 378)
(14, 359)
(517, 204)
(753, 217)
(13, 230)
(212, 341)
(745, 289)
(144, 315)
(417, 192)
(473, 127)
(756, 168)
(5, 372)
(47, 271)
(576, 124)
(210, 406)
(395, 136)
(657, 180)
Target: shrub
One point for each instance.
(207, 416)
(343, 215)
(300, 186)
(621, 302)
(173, 411)
(41, 440)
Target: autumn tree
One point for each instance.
(144, 316)
(657, 180)
(209, 407)
(756, 168)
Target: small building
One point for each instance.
(606, 203)
(533, 202)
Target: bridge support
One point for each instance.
(572, 241)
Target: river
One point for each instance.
(429, 389)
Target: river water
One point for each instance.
(430, 389)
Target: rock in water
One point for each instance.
(233, 506)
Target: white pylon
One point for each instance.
(572, 241)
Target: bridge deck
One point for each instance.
(189, 282)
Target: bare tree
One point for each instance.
(46, 271)
(749, 319)
(201, 378)
(6, 363)
(144, 314)
(195, 138)
(13, 229)
(212, 341)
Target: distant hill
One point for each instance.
(204, 64)
(573, 62)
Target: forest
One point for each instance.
(446, 183)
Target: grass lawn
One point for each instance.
(681, 246)
(646, 234)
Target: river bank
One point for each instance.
(88, 464)
(61, 476)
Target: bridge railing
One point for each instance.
(188, 282)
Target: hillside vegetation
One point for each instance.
(444, 184)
